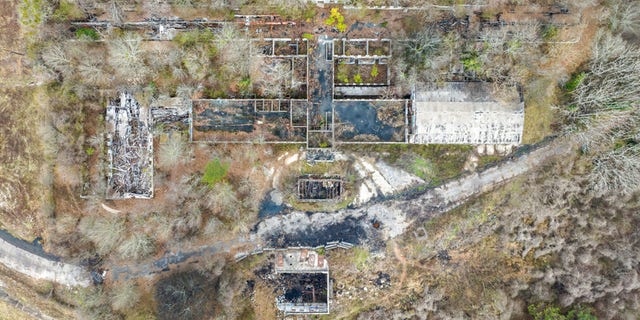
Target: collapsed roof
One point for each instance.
(467, 113)
(130, 149)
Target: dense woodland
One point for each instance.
(558, 243)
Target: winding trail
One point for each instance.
(31, 260)
(355, 225)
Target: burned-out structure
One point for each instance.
(130, 149)
(346, 80)
(313, 188)
(466, 113)
(249, 120)
(302, 281)
(335, 94)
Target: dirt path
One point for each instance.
(299, 228)
(355, 225)
(25, 258)
(403, 261)
(396, 215)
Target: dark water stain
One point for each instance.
(364, 117)
(269, 208)
(350, 230)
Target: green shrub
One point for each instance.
(575, 80)
(67, 11)
(374, 71)
(190, 39)
(551, 312)
(549, 32)
(357, 78)
(90, 151)
(471, 62)
(307, 36)
(244, 85)
(214, 172)
(87, 33)
(336, 18)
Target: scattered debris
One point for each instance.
(109, 209)
(313, 188)
(130, 150)
(302, 278)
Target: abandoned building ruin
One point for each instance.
(344, 107)
(313, 188)
(130, 149)
(303, 282)
(466, 113)
(343, 82)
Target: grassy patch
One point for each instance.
(192, 38)
(40, 295)
(32, 14)
(12, 312)
(87, 33)
(214, 172)
(21, 161)
(485, 160)
(539, 115)
(360, 257)
(422, 168)
(439, 162)
(67, 11)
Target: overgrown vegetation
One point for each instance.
(561, 237)
(214, 172)
(336, 18)
(540, 312)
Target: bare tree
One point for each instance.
(125, 296)
(187, 223)
(611, 85)
(625, 17)
(105, 233)
(276, 78)
(56, 58)
(236, 51)
(224, 201)
(173, 152)
(92, 71)
(126, 57)
(137, 246)
(617, 170)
